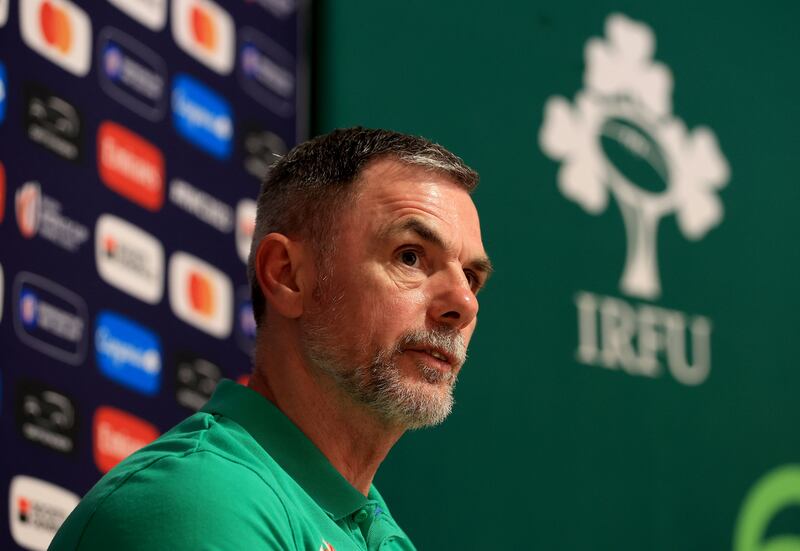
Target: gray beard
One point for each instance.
(379, 384)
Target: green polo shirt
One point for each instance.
(236, 475)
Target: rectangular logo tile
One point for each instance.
(46, 416)
(53, 122)
(50, 318)
(205, 31)
(58, 30)
(129, 258)
(130, 165)
(37, 509)
(202, 116)
(200, 294)
(132, 74)
(267, 72)
(116, 435)
(128, 353)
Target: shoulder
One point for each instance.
(198, 499)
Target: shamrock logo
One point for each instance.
(620, 138)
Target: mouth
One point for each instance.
(436, 356)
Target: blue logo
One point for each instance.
(3, 92)
(112, 61)
(28, 308)
(202, 116)
(128, 353)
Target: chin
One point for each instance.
(417, 403)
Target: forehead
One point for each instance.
(389, 191)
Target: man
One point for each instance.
(365, 265)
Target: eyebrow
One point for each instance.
(426, 233)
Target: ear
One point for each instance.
(278, 261)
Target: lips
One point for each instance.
(437, 354)
(440, 349)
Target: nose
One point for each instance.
(454, 304)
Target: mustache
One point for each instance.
(444, 339)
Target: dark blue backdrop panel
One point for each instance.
(133, 136)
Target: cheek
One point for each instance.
(405, 311)
(391, 313)
(381, 310)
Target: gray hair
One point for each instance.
(305, 190)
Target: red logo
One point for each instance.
(201, 294)
(118, 434)
(59, 31)
(203, 29)
(28, 205)
(24, 507)
(326, 546)
(130, 165)
(110, 246)
(55, 26)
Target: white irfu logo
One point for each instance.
(620, 137)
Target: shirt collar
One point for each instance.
(289, 447)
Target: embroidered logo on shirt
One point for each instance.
(326, 546)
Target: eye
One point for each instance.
(409, 258)
(473, 280)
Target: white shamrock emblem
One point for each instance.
(625, 112)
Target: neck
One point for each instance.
(349, 435)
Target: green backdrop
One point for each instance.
(634, 381)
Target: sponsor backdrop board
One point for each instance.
(633, 383)
(133, 137)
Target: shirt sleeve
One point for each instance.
(201, 500)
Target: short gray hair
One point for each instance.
(305, 190)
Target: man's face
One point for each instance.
(397, 305)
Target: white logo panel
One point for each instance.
(58, 30)
(3, 12)
(200, 294)
(205, 31)
(36, 511)
(150, 13)
(129, 258)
